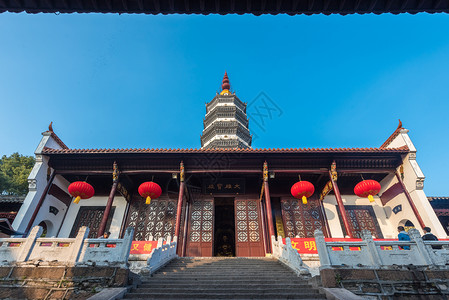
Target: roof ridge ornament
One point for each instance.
(225, 85)
(400, 124)
(50, 127)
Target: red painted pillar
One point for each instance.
(410, 201)
(268, 201)
(341, 207)
(107, 210)
(180, 201)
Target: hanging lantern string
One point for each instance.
(152, 178)
(362, 176)
(299, 175)
(86, 178)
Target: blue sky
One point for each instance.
(110, 81)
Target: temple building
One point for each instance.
(227, 198)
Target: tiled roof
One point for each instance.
(402, 149)
(393, 136)
(11, 199)
(438, 198)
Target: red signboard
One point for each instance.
(308, 245)
(143, 247)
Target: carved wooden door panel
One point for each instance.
(362, 217)
(301, 220)
(150, 222)
(201, 227)
(248, 228)
(91, 216)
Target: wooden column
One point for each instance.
(41, 200)
(341, 207)
(180, 201)
(410, 201)
(186, 229)
(268, 201)
(107, 210)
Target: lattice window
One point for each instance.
(247, 221)
(91, 216)
(301, 220)
(362, 218)
(152, 221)
(201, 221)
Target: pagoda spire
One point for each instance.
(225, 85)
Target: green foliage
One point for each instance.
(14, 172)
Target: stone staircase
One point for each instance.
(224, 278)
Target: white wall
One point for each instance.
(37, 182)
(330, 203)
(414, 183)
(120, 207)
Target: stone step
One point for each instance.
(199, 290)
(169, 295)
(225, 279)
(274, 267)
(224, 273)
(230, 284)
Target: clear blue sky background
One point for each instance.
(110, 81)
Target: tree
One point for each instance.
(14, 172)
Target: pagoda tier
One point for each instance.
(226, 122)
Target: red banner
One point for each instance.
(308, 245)
(143, 247)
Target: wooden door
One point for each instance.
(150, 222)
(201, 228)
(301, 220)
(91, 216)
(248, 228)
(362, 217)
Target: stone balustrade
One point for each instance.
(370, 253)
(287, 255)
(161, 255)
(68, 251)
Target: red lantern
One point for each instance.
(81, 190)
(367, 188)
(150, 190)
(302, 190)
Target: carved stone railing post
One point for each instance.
(83, 233)
(322, 249)
(28, 245)
(416, 237)
(127, 242)
(372, 249)
(160, 242)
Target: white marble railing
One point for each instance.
(68, 251)
(288, 255)
(107, 251)
(161, 255)
(382, 253)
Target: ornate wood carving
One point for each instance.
(362, 217)
(152, 221)
(91, 216)
(301, 220)
(201, 228)
(248, 228)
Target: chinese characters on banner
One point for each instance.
(308, 245)
(224, 186)
(143, 247)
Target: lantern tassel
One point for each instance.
(148, 200)
(77, 200)
(304, 200)
(371, 198)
